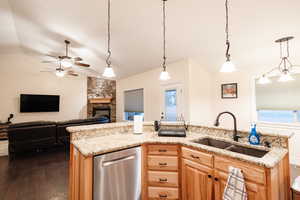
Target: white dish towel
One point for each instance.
(235, 188)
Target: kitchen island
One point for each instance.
(180, 168)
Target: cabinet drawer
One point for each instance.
(163, 163)
(171, 150)
(251, 172)
(169, 179)
(197, 156)
(156, 193)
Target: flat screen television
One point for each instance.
(39, 103)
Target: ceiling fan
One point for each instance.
(60, 71)
(66, 60)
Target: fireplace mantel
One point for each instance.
(100, 100)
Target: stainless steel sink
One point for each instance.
(214, 143)
(232, 147)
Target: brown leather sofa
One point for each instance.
(39, 135)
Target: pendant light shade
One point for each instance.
(108, 71)
(264, 80)
(285, 77)
(228, 66)
(164, 75)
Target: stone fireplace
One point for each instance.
(101, 98)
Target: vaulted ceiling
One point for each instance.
(195, 29)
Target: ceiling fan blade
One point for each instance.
(49, 61)
(72, 73)
(52, 56)
(78, 59)
(81, 64)
(46, 71)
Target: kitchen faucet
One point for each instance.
(235, 136)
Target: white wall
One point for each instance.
(194, 80)
(241, 107)
(200, 94)
(21, 74)
(153, 100)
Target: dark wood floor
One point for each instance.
(36, 177)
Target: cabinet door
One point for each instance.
(255, 191)
(196, 181)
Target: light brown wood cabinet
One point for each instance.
(197, 183)
(208, 178)
(80, 176)
(175, 172)
(203, 175)
(161, 172)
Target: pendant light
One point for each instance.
(228, 66)
(108, 71)
(164, 75)
(264, 80)
(285, 67)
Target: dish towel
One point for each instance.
(235, 188)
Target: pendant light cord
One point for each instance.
(227, 32)
(108, 62)
(164, 35)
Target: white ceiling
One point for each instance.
(195, 29)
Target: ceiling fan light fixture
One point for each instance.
(109, 72)
(285, 77)
(66, 63)
(264, 80)
(60, 73)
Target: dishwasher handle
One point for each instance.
(115, 161)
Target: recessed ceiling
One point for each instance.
(195, 29)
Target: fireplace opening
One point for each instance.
(103, 113)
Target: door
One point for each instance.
(196, 181)
(172, 102)
(255, 191)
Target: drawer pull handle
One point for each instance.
(163, 195)
(163, 180)
(162, 150)
(209, 176)
(216, 179)
(195, 157)
(163, 164)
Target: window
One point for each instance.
(171, 105)
(134, 103)
(278, 102)
(279, 116)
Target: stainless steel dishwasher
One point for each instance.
(117, 175)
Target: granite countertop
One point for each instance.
(108, 143)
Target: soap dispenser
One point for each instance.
(254, 137)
